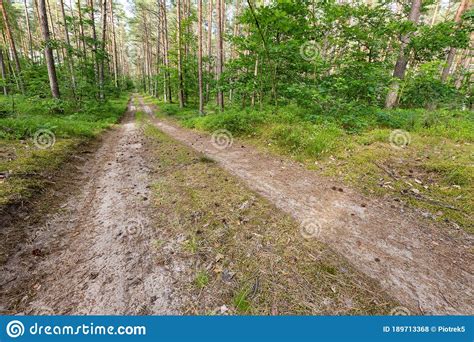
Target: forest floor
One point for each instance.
(153, 223)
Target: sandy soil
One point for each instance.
(426, 267)
(95, 256)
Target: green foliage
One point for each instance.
(334, 60)
(202, 279)
(24, 116)
(425, 89)
(306, 139)
(235, 121)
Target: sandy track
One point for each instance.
(96, 256)
(429, 269)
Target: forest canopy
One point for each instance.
(326, 56)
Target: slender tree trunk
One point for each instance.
(463, 6)
(11, 41)
(234, 50)
(180, 57)
(102, 47)
(220, 55)
(114, 45)
(159, 43)
(52, 30)
(3, 73)
(74, 27)
(10, 70)
(201, 95)
(68, 49)
(81, 28)
(28, 29)
(209, 49)
(94, 40)
(402, 61)
(166, 53)
(48, 52)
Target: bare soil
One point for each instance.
(429, 268)
(93, 256)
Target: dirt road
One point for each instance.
(94, 256)
(428, 268)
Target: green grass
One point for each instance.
(28, 166)
(202, 279)
(241, 300)
(22, 117)
(355, 148)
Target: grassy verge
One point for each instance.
(38, 136)
(243, 255)
(415, 156)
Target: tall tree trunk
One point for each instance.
(94, 40)
(28, 29)
(435, 13)
(11, 42)
(402, 61)
(160, 60)
(233, 49)
(48, 52)
(70, 59)
(3, 73)
(102, 47)
(114, 45)
(166, 53)
(180, 57)
(220, 55)
(209, 49)
(52, 30)
(75, 32)
(201, 95)
(81, 28)
(463, 6)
